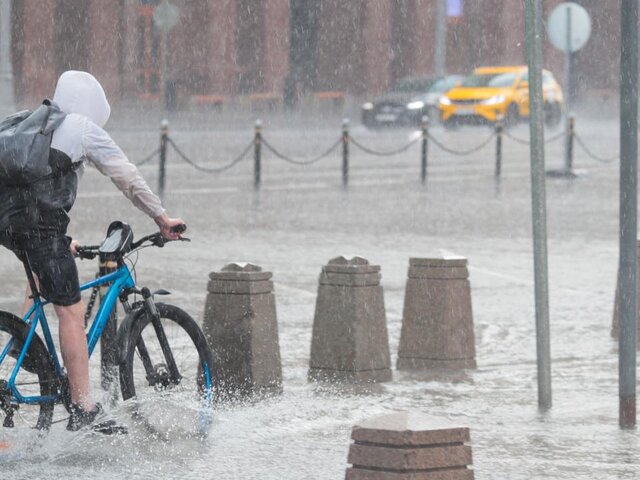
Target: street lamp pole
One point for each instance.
(163, 71)
(440, 54)
(165, 17)
(627, 270)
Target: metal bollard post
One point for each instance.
(108, 339)
(425, 137)
(572, 124)
(499, 129)
(164, 135)
(257, 154)
(345, 152)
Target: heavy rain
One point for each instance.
(392, 205)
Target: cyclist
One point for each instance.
(81, 139)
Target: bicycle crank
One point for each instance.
(6, 405)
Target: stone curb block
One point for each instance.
(409, 446)
(241, 325)
(350, 340)
(437, 320)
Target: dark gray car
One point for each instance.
(407, 101)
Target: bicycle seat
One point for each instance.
(117, 242)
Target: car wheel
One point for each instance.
(369, 123)
(552, 114)
(450, 124)
(512, 116)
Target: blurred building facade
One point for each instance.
(282, 47)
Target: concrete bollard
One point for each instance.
(409, 446)
(350, 340)
(241, 326)
(615, 324)
(437, 323)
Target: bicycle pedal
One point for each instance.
(8, 420)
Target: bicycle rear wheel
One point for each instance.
(168, 370)
(35, 378)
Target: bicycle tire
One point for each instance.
(37, 365)
(189, 348)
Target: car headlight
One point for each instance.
(415, 105)
(496, 99)
(367, 106)
(445, 101)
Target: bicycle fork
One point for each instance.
(163, 374)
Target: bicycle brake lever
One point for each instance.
(159, 241)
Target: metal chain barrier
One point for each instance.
(523, 141)
(345, 140)
(384, 154)
(148, 158)
(593, 155)
(231, 164)
(301, 162)
(557, 136)
(461, 152)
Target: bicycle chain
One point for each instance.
(92, 302)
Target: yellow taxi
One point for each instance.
(490, 92)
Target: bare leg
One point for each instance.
(73, 342)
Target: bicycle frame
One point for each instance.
(121, 279)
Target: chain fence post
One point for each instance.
(424, 125)
(257, 154)
(499, 126)
(164, 136)
(345, 152)
(572, 127)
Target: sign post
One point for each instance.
(165, 17)
(533, 27)
(569, 28)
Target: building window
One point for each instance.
(455, 8)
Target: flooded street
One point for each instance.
(301, 218)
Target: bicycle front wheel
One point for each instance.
(168, 371)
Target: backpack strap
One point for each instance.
(54, 118)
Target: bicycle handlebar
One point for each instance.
(89, 252)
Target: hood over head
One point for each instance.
(80, 92)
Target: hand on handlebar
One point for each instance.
(73, 246)
(171, 228)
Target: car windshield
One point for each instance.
(444, 84)
(413, 85)
(489, 80)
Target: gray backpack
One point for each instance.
(25, 140)
(38, 184)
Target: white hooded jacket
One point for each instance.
(82, 138)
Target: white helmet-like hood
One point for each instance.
(80, 92)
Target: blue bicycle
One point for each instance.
(163, 357)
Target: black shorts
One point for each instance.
(53, 264)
